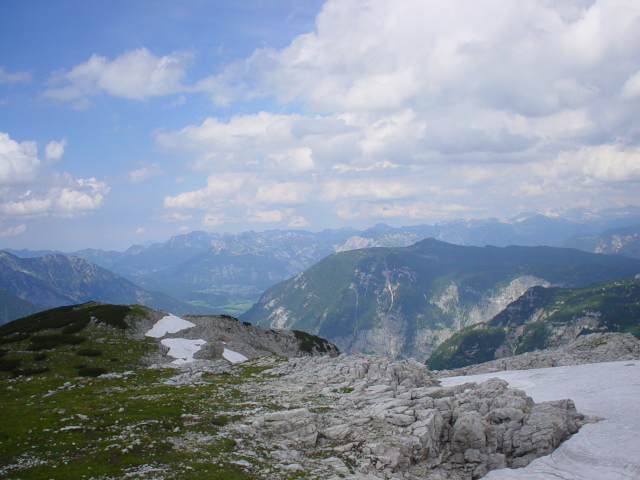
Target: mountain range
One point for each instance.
(403, 302)
(229, 272)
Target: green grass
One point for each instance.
(60, 419)
(108, 427)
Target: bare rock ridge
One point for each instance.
(367, 417)
(594, 348)
(221, 332)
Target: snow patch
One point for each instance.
(182, 349)
(169, 324)
(233, 357)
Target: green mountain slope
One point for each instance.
(12, 307)
(55, 280)
(544, 318)
(403, 302)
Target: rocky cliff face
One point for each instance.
(544, 318)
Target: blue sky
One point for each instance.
(123, 122)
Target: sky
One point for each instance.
(125, 122)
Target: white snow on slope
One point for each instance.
(233, 357)
(168, 324)
(182, 349)
(609, 449)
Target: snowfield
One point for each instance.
(606, 450)
(169, 324)
(182, 349)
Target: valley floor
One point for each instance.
(607, 449)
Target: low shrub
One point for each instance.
(38, 357)
(6, 365)
(91, 371)
(220, 421)
(308, 342)
(18, 337)
(89, 352)
(27, 372)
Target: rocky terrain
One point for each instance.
(594, 348)
(366, 418)
(122, 400)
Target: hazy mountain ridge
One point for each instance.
(545, 318)
(404, 302)
(621, 241)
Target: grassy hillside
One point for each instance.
(543, 318)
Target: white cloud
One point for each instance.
(213, 220)
(426, 109)
(176, 217)
(29, 187)
(220, 188)
(413, 210)
(79, 197)
(369, 188)
(631, 88)
(19, 163)
(243, 139)
(139, 231)
(143, 173)
(604, 163)
(265, 216)
(288, 193)
(18, 77)
(54, 150)
(135, 75)
(13, 231)
(298, 222)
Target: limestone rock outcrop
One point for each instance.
(367, 417)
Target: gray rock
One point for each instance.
(381, 419)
